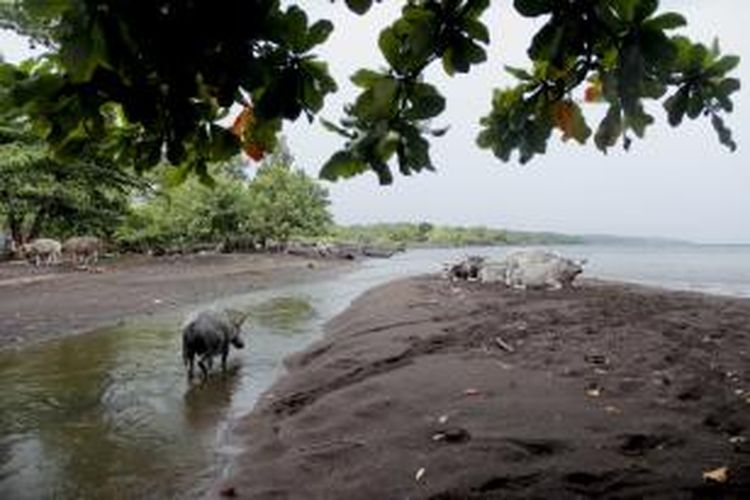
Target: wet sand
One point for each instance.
(44, 303)
(427, 389)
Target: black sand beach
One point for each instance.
(428, 389)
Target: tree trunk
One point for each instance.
(36, 225)
(16, 232)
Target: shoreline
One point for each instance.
(37, 305)
(428, 389)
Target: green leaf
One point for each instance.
(147, 154)
(699, 57)
(725, 135)
(723, 65)
(610, 129)
(39, 89)
(379, 101)
(295, 25)
(390, 46)
(728, 86)
(366, 78)
(631, 76)
(684, 53)
(638, 121)
(667, 21)
(695, 106)
(439, 132)
(342, 165)
(9, 75)
(45, 8)
(519, 73)
(426, 102)
(282, 96)
(607, 16)
(625, 9)
(359, 6)
(204, 177)
(387, 145)
(547, 43)
(415, 153)
(476, 29)
(319, 32)
(677, 105)
(643, 9)
(658, 50)
(460, 55)
(409, 42)
(381, 169)
(336, 129)
(654, 89)
(224, 144)
(84, 52)
(316, 84)
(533, 8)
(474, 8)
(581, 131)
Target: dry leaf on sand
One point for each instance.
(720, 475)
(594, 392)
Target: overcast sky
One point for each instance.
(676, 183)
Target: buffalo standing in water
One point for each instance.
(210, 333)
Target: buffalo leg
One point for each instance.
(224, 355)
(190, 362)
(203, 367)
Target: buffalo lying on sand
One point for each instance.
(467, 269)
(533, 269)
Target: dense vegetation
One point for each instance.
(154, 78)
(42, 194)
(280, 202)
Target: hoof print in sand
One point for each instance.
(636, 445)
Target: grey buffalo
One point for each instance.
(210, 333)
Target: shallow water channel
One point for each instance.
(110, 414)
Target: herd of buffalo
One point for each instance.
(83, 250)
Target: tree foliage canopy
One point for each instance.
(155, 77)
(280, 202)
(40, 194)
(286, 202)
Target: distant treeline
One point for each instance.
(426, 234)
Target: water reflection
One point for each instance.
(284, 315)
(205, 403)
(76, 415)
